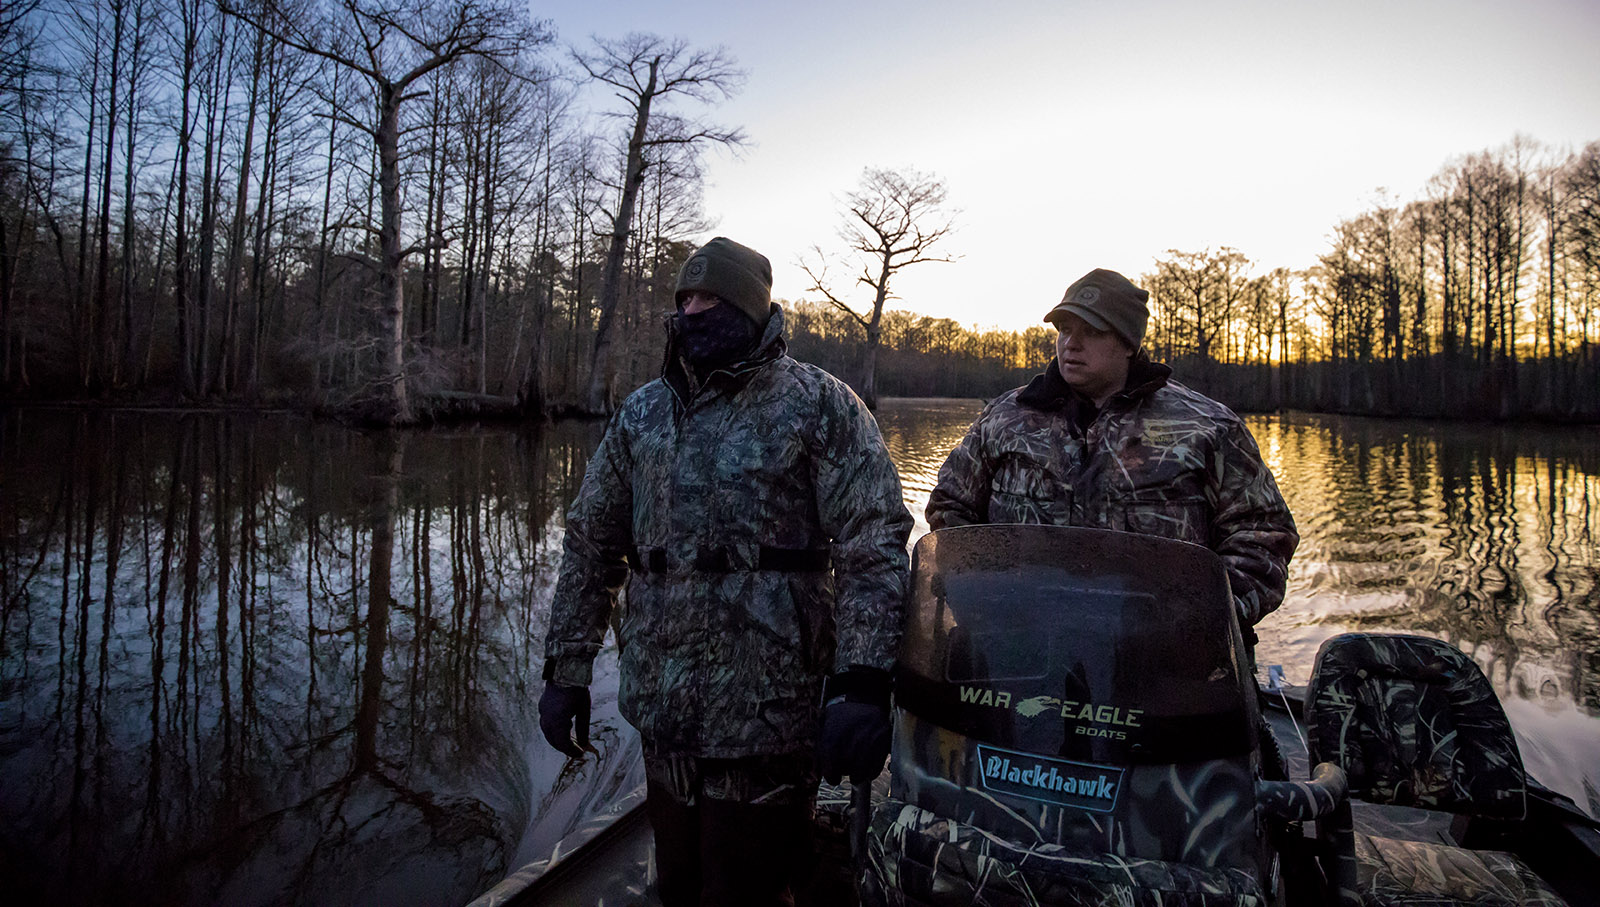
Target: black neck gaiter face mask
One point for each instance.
(716, 337)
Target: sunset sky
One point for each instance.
(1075, 135)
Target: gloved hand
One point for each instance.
(855, 725)
(563, 710)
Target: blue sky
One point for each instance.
(1076, 135)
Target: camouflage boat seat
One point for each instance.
(1074, 725)
(1414, 722)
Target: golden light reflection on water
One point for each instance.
(919, 433)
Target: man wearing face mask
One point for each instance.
(748, 502)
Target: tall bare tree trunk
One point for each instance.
(123, 362)
(322, 239)
(216, 127)
(600, 395)
(103, 342)
(187, 382)
(432, 225)
(83, 325)
(227, 370)
(394, 403)
(265, 213)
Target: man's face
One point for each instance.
(1094, 362)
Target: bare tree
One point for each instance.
(1581, 185)
(392, 46)
(644, 70)
(553, 111)
(893, 220)
(1194, 292)
(17, 70)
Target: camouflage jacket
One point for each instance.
(1158, 459)
(721, 499)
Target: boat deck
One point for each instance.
(607, 862)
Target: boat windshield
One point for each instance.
(1075, 642)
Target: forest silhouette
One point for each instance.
(401, 212)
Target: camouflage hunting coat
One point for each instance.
(1158, 459)
(758, 524)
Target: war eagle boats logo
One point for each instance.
(1090, 719)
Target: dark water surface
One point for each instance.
(261, 660)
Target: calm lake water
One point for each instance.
(262, 660)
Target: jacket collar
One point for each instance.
(677, 375)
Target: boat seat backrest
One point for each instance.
(1413, 722)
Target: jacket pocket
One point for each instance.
(1023, 491)
(1181, 518)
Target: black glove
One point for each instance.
(563, 710)
(855, 725)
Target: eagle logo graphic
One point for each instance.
(1038, 705)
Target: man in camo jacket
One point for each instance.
(1104, 438)
(749, 503)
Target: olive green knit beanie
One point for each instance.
(1109, 302)
(738, 274)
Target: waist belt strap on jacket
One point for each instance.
(721, 559)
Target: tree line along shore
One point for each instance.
(403, 213)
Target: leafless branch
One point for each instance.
(818, 274)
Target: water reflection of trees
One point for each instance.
(267, 660)
(1478, 534)
(262, 661)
